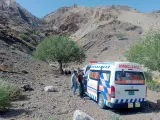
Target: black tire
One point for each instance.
(101, 101)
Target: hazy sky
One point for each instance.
(42, 7)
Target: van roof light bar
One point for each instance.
(106, 62)
(94, 61)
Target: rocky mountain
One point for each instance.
(97, 29)
(16, 16)
(20, 25)
(19, 35)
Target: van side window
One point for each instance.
(94, 75)
(86, 74)
(105, 75)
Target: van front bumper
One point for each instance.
(126, 105)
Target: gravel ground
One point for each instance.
(41, 105)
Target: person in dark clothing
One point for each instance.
(66, 72)
(69, 72)
(80, 83)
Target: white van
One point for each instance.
(116, 84)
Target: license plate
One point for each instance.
(137, 105)
(131, 93)
(130, 105)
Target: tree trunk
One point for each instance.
(60, 66)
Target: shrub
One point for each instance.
(22, 36)
(59, 49)
(146, 51)
(4, 98)
(38, 32)
(120, 36)
(13, 90)
(151, 84)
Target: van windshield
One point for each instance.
(128, 77)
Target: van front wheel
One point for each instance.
(101, 101)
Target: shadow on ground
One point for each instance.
(24, 98)
(14, 113)
(149, 107)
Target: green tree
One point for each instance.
(59, 49)
(146, 51)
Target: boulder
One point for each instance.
(79, 115)
(50, 89)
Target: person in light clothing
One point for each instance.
(74, 82)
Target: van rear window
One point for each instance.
(128, 77)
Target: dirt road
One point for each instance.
(41, 105)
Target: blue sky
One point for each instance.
(41, 8)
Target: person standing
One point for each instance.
(74, 82)
(78, 69)
(72, 71)
(80, 83)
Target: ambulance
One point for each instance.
(116, 84)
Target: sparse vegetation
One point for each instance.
(146, 51)
(38, 32)
(4, 98)
(59, 49)
(8, 93)
(22, 36)
(13, 90)
(152, 85)
(120, 36)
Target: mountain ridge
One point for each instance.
(11, 6)
(82, 21)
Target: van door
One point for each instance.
(86, 78)
(92, 84)
(130, 87)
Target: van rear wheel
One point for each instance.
(101, 101)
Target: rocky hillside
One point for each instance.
(19, 35)
(97, 29)
(19, 25)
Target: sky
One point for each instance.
(40, 8)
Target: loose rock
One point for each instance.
(50, 89)
(79, 115)
(27, 88)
